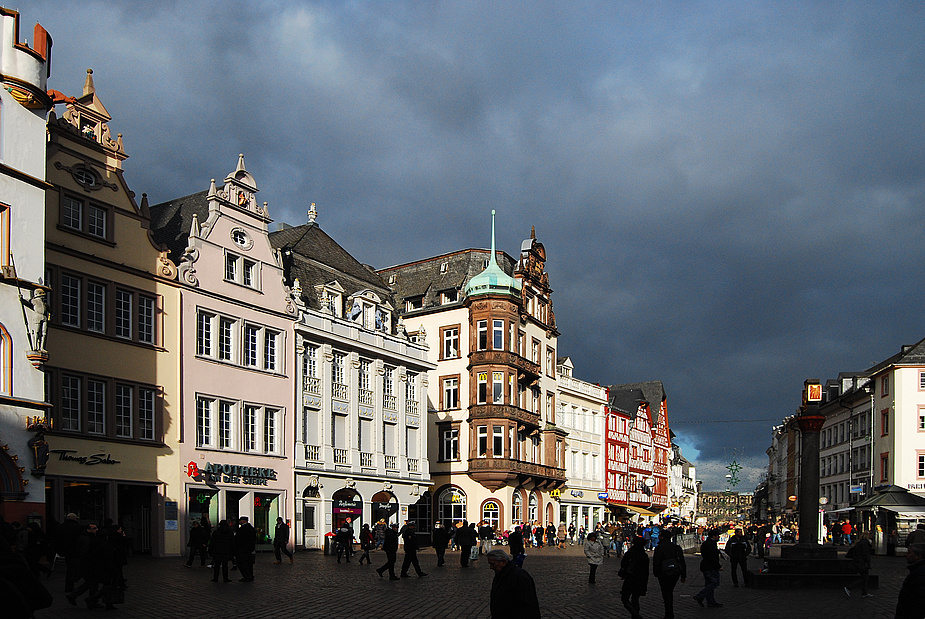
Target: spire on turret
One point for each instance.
(89, 88)
(493, 280)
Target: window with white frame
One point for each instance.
(482, 388)
(451, 393)
(83, 404)
(251, 341)
(233, 426)
(338, 375)
(270, 424)
(250, 428)
(70, 300)
(481, 330)
(388, 388)
(449, 444)
(225, 414)
(481, 441)
(96, 306)
(204, 409)
(226, 333)
(87, 218)
(310, 379)
(497, 335)
(364, 383)
(497, 441)
(241, 270)
(497, 387)
(450, 347)
(270, 343)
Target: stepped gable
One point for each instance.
(428, 277)
(171, 221)
(314, 258)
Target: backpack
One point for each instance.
(670, 567)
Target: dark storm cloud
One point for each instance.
(731, 194)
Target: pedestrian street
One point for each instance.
(317, 586)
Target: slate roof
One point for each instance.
(171, 221)
(913, 354)
(424, 277)
(313, 257)
(625, 398)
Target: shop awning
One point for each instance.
(641, 510)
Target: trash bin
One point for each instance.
(328, 543)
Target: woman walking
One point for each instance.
(860, 553)
(367, 543)
(594, 550)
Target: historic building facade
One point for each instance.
(112, 377)
(497, 451)
(235, 415)
(638, 446)
(360, 412)
(24, 105)
(582, 415)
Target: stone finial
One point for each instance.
(312, 214)
(89, 88)
(211, 189)
(240, 167)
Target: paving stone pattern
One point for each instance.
(317, 586)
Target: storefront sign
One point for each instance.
(391, 508)
(602, 496)
(171, 515)
(347, 506)
(232, 474)
(100, 458)
(579, 494)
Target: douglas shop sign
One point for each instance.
(231, 474)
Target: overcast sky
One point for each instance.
(730, 194)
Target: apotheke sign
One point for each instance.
(232, 474)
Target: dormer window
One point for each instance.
(449, 296)
(444, 267)
(413, 303)
(391, 279)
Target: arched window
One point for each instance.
(6, 362)
(532, 508)
(517, 508)
(451, 506)
(491, 513)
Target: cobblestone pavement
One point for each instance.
(317, 586)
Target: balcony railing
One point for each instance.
(341, 456)
(311, 384)
(313, 453)
(339, 391)
(389, 402)
(366, 459)
(411, 407)
(516, 466)
(503, 411)
(391, 463)
(366, 397)
(503, 357)
(412, 465)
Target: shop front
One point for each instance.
(582, 508)
(218, 491)
(105, 482)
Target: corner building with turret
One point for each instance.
(496, 452)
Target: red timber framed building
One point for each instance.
(638, 448)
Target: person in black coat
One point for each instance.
(634, 570)
(410, 541)
(96, 563)
(440, 539)
(66, 536)
(390, 546)
(513, 592)
(198, 544)
(344, 540)
(281, 541)
(909, 605)
(465, 539)
(710, 566)
(516, 542)
(860, 552)
(738, 549)
(668, 566)
(245, 545)
(221, 547)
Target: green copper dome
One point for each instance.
(493, 280)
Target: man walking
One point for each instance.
(738, 549)
(245, 545)
(344, 540)
(513, 592)
(486, 535)
(281, 541)
(710, 566)
(390, 546)
(441, 538)
(668, 566)
(410, 541)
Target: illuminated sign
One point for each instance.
(231, 474)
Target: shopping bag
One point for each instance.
(474, 554)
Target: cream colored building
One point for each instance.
(496, 452)
(113, 372)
